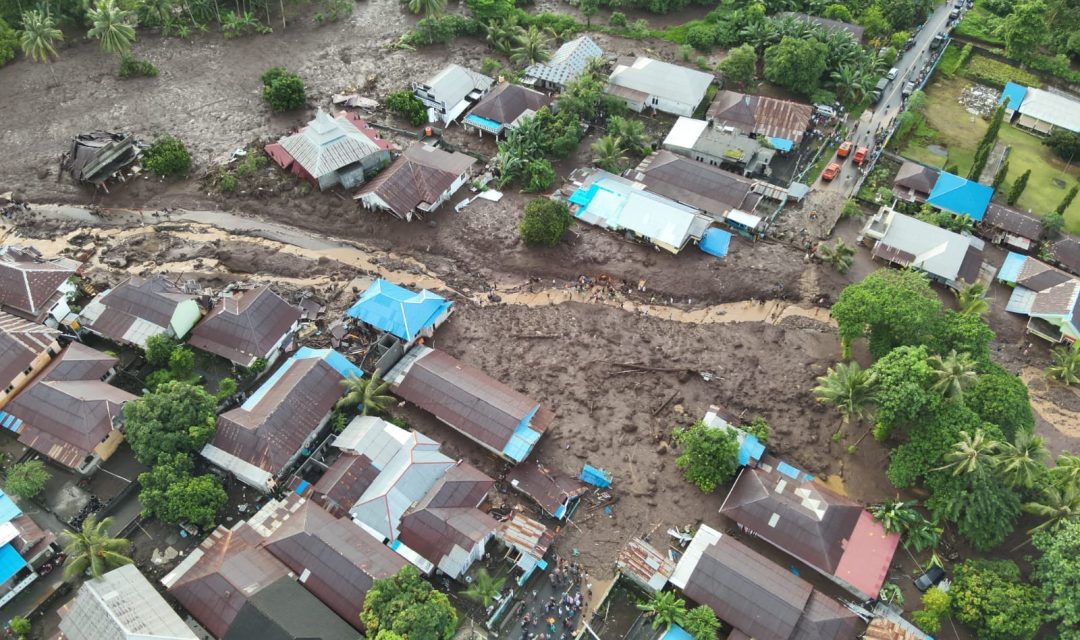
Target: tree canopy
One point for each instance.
(174, 418)
(989, 597)
(795, 64)
(740, 64)
(892, 307)
(171, 494)
(408, 606)
(544, 222)
(1057, 574)
(984, 510)
(710, 456)
(1000, 398)
(904, 376)
(27, 479)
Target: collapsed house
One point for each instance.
(98, 156)
(139, 308)
(498, 418)
(554, 491)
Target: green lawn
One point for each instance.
(953, 128)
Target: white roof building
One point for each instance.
(121, 605)
(661, 86)
(909, 242)
(1052, 108)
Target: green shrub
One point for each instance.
(227, 182)
(132, 67)
(537, 176)
(333, 10)
(9, 43)
(992, 72)
(544, 222)
(490, 67)
(617, 19)
(406, 105)
(167, 156)
(701, 37)
(283, 90)
(441, 30)
(20, 626)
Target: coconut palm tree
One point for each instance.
(111, 27)
(849, 388)
(367, 393)
(502, 35)
(532, 48)
(429, 8)
(484, 588)
(92, 548)
(1067, 470)
(607, 154)
(896, 516)
(840, 256)
(970, 453)
(971, 298)
(1021, 462)
(631, 133)
(701, 623)
(155, 13)
(1066, 367)
(1058, 506)
(952, 374)
(844, 79)
(38, 35)
(665, 609)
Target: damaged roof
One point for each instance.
(508, 102)
(645, 564)
(67, 411)
(823, 529)
(135, 309)
(711, 189)
(21, 342)
(546, 486)
(94, 157)
(526, 535)
(29, 284)
(245, 325)
(419, 176)
(336, 560)
(762, 115)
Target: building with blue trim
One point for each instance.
(1048, 296)
(403, 313)
(261, 440)
(24, 548)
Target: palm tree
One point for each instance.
(1066, 367)
(607, 153)
(155, 13)
(1020, 463)
(849, 388)
(1059, 505)
(759, 34)
(92, 548)
(839, 256)
(1067, 469)
(484, 588)
(367, 393)
(429, 8)
(665, 609)
(111, 27)
(969, 453)
(532, 48)
(502, 35)
(952, 374)
(844, 79)
(971, 298)
(38, 35)
(897, 516)
(922, 535)
(631, 133)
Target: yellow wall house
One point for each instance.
(25, 349)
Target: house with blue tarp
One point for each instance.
(403, 313)
(502, 420)
(960, 196)
(1048, 296)
(715, 242)
(750, 448)
(24, 548)
(261, 440)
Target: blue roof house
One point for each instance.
(1015, 94)
(22, 543)
(406, 314)
(960, 196)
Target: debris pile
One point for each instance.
(980, 100)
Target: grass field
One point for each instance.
(950, 126)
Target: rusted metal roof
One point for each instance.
(526, 535)
(67, 411)
(882, 629)
(152, 300)
(762, 115)
(1066, 252)
(892, 254)
(344, 482)
(826, 619)
(463, 485)
(507, 102)
(268, 429)
(645, 564)
(335, 560)
(1039, 276)
(916, 178)
(420, 176)
(697, 184)
(435, 534)
(28, 283)
(245, 325)
(215, 581)
(548, 487)
(971, 265)
(470, 401)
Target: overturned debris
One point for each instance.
(98, 156)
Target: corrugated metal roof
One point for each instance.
(420, 176)
(28, 282)
(1014, 221)
(454, 82)
(399, 311)
(547, 486)
(245, 325)
(826, 619)
(1059, 110)
(21, 342)
(916, 177)
(1067, 252)
(438, 534)
(567, 63)
(960, 196)
(10, 562)
(761, 115)
(713, 190)
(469, 400)
(526, 535)
(327, 144)
(121, 605)
(645, 564)
(344, 482)
(662, 79)
(150, 300)
(285, 611)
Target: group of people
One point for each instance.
(559, 617)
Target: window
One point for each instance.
(52, 354)
(28, 370)
(9, 388)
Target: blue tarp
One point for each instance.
(750, 449)
(595, 477)
(675, 632)
(10, 562)
(8, 509)
(397, 310)
(782, 144)
(715, 242)
(524, 439)
(960, 196)
(1010, 269)
(1015, 93)
(792, 472)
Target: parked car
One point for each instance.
(938, 40)
(909, 88)
(892, 73)
(824, 110)
(830, 171)
(932, 576)
(845, 149)
(954, 14)
(860, 155)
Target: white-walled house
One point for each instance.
(644, 83)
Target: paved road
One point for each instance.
(862, 129)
